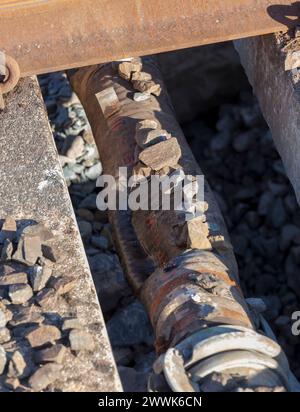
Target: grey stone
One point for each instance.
(162, 154)
(140, 97)
(8, 230)
(44, 376)
(146, 138)
(26, 315)
(132, 380)
(144, 362)
(242, 142)
(2, 359)
(20, 294)
(38, 230)
(39, 277)
(81, 340)
(3, 319)
(17, 366)
(282, 320)
(42, 335)
(130, 326)
(265, 203)
(4, 335)
(85, 214)
(89, 202)
(289, 232)
(126, 68)
(72, 323)
(55, 354)
(85, 229)
(278, 214)
(94, 172)
(12, 383)
(69, 173)
(147, 86)
(63, 284)
(220, 141)
(13, 279)
(47, 298)
(123, 356)
(76, 149)
(7, 250)
(141, 76)
(32, 248)
(100, 242)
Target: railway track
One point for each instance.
(180, 264)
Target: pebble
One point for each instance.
(265, 203)
(141, 97)
(55, 353)
(38, 230)
(17, 366)
(146, 138)
(89, 202)
(20, 294)
(132, 380)
(85, 229)
(72, 323)
(2, 360)
(44, 376)
(26, 315)
(220, 141)
(242, 142)
(63, 284)
(100, 242)
(76, 149)
(7, 250)
(42, 335)
(289, 233)
(130, 326)
(32, 248)
(88, 136)
(85, 214)
(14, 278)
(47, 298)
(12, 383)
(147, 86)
(4, 335)
(125, 69)
(39, 277)
(3, 319)
(278, 215)
(81, 340)
(94, 172)
(162, 154)
(8, 230)
(141, 76)
(123, 356)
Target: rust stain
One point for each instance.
(46, 36)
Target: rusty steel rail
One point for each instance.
(184, 271)
(49, 35)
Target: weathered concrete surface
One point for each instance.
(278, 94)
(33, 189)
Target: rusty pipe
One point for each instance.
(185, 272)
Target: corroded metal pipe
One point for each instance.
(183, 270)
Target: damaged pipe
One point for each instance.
(182, 267)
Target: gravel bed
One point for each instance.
(236, 152)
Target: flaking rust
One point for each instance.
(196, 280)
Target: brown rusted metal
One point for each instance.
(189, 287)
(188, 290)
(11, 76)
(50, 35)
